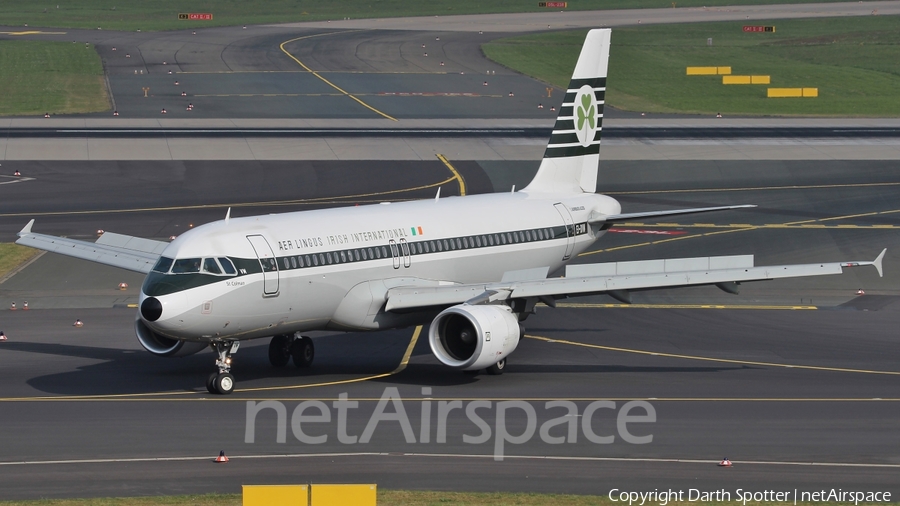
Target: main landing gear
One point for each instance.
(222, 382)
(284, 347)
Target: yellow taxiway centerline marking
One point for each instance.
(33, 32)
(408, 95)
(234, 398)
(156, 396)
(340, 199)
(456, 174)
(683, 306)
(740, 227)
(767, 225)
(305, 72)
(326, 81)
(711, 359)
(755, 188)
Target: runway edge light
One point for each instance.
(725, 463)
(221, 458)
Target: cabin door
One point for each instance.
(570, 229)
(268, 262)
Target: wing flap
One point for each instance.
(600, 284)
(618, 277)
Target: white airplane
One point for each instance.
(474, 266)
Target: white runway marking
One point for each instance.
(455, 455)
(16, 179)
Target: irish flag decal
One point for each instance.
(416, 230)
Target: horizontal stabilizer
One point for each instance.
(614, 218)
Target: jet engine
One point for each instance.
(474, 337)
(163, 346)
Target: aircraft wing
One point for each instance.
(124, 251)
(616, 279)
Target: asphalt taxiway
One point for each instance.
(795, 381)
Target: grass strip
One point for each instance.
(851, 60)
(54, 77)
(12, 255)
(163, 14)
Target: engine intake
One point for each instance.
(163, 346)
(473, 337)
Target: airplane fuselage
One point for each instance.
(332, 268)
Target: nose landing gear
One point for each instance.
(222, 382)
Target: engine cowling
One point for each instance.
(163, 346)
(473, 337)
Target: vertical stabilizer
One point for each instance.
(572, 157)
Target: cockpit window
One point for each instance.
(210, 266)
(227, 266)
(186, 265)
(163, 264)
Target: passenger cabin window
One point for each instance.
(163, 264)
(186, 265)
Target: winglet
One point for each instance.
(27, 230)
(876, 262)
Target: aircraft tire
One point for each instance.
(224, 383)
(211, 383)
(497, 369)
(280, 350)
(303, 352)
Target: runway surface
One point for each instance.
(795, 381)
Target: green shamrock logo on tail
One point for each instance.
(586, 118)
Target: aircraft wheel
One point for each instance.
(280, 350)
(303, 352)
(497, 369)
(211, 383)
(224, 383)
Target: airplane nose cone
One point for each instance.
(151, 309)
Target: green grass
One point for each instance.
(162, 14)
(852, 61)
(12, 255)
(54, 77)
